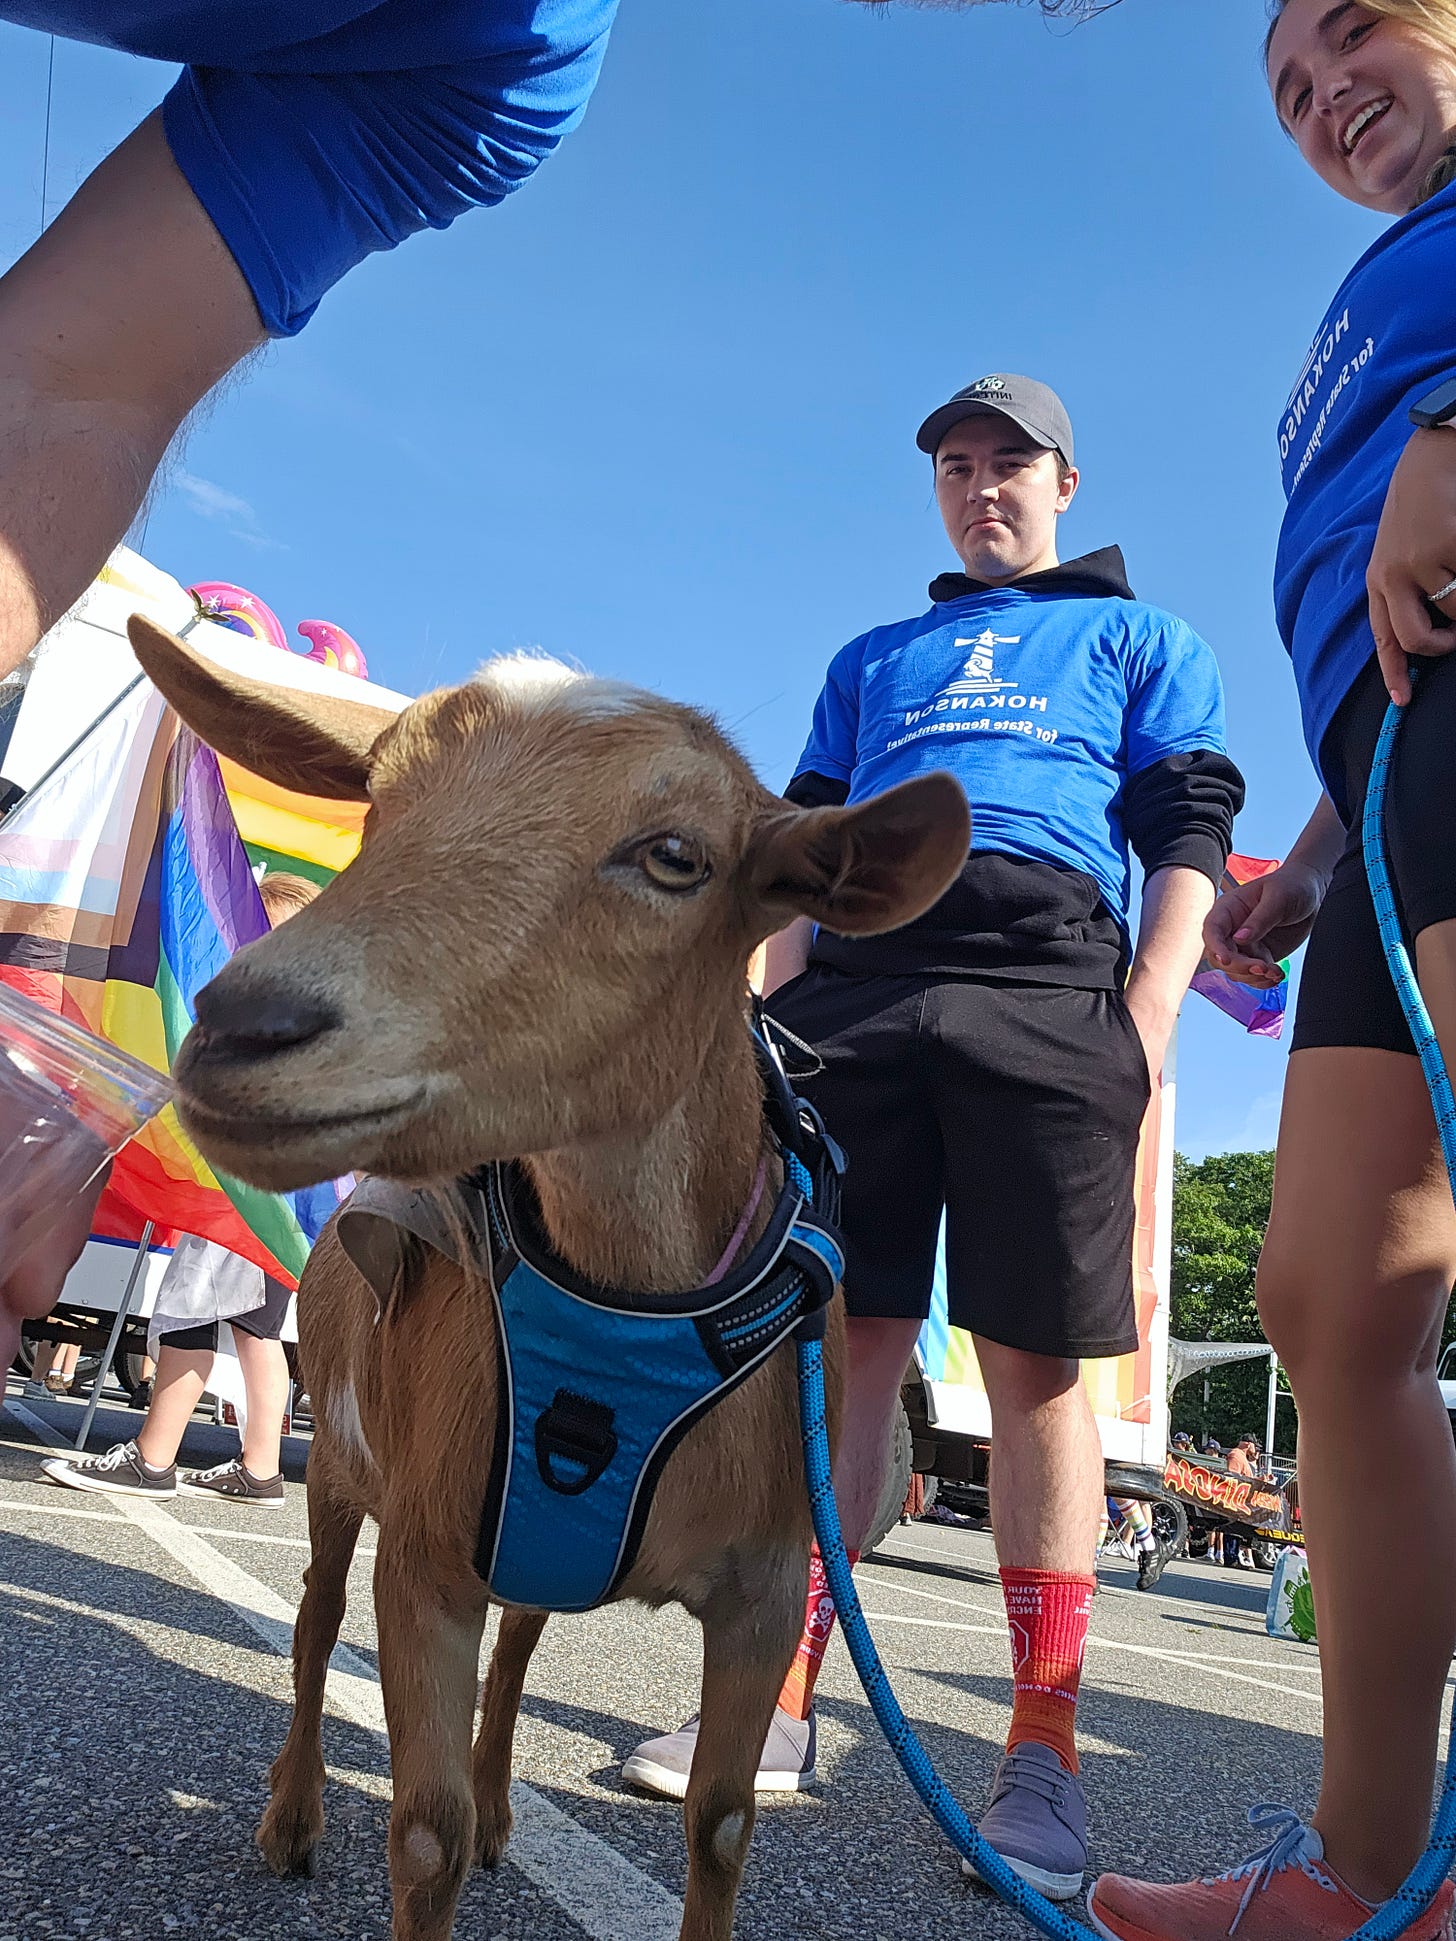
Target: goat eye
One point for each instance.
(675, 863)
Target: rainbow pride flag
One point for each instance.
(124, 888)
(1261, 1013)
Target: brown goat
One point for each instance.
(538, 955)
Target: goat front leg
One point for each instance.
(749, 1642)
(500, 1705)
(429, 1666)
(294, 1821)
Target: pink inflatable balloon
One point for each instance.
(234, 607)
(332, 647)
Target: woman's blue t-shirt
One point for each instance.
(314, 132)
(1388, 338)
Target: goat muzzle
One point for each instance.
(239, 1023)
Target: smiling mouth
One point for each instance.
(1360, 124)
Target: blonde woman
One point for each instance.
(1361, 1251)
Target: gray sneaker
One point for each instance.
(786, 1766)
(234, 1482)
(1037, 1822)
(120, 1472)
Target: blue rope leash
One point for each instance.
(939, 1801)
(1425, 1881)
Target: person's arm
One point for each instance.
(113, 327)
(1415, 556)
(786, 954)
(1252, 928)
(1169, 946)
(32, 1285)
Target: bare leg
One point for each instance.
(429, 1657)
(294, 1821)
(747, 1649)
(66, 1363)
(46, 1355)
(1353, 1285)
(878, 1353)
(181, 1377)
(1046, 1461)
(500, 1705)
(266, 1378)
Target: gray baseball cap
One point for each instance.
(1035, 408)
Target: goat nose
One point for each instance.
(241, 1018)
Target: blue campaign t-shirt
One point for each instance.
(314, 132)
(1042, 705)
(1388, 338)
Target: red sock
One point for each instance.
(1048, 1612)
(798, 1692)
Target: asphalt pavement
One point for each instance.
(146, 1691)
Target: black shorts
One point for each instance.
(265, 1321)
(1346, 996)
(1015, 1109)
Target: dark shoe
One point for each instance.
(1037, 1822)
(1151, 1566)
(786, 1765)
(232, 1482)
(120, 1472)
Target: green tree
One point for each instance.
(1220, 1211)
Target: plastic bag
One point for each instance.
(1291, 1599)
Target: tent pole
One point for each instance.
(89, 730)
(94, 1402)
(1273, 1403)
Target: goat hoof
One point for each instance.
(492, 1832)
(286, 1839)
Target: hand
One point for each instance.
(1251, 928)
(1414, 556)
(33, 1284)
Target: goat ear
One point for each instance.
(318, 744)
(866, 869)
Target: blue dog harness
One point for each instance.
(599, 1385)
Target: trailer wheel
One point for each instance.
(897, 1482)
(1170, 1525)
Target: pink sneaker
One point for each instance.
(1286, 1892)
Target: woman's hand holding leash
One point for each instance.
(1252, 928)
(1412, 574)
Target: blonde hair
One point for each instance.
(1434, 21)
(285, 895)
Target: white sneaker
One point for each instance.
(786, 1765)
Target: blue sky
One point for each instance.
(657, 412)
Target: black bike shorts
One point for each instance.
(1346, 997)
(265, 1321)
(1013, 1108)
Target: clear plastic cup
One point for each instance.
(69, 1101)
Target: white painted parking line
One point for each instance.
(47, 1506)
(607, 1897)
(40, 1507)
(1168, 1652)
(1109, 1644)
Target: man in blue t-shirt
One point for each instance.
(989, 1064)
